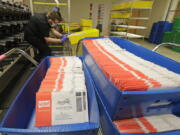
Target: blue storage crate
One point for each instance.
(164, 26)
(21, 114)
(158, 30)
(119, 104)
(108, 128)
(152, 37)
(154, 31)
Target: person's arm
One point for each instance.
(56, 33)
(52, 40)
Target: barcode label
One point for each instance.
(84, 100)
(79, 103)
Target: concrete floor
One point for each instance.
(162, 50)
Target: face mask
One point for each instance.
(53, 25)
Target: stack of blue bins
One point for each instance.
(154, 32)
(158, 30)
(116, 104)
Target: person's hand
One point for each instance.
(64, 37)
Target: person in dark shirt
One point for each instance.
(37, 32)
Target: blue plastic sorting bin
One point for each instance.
(119, 104)
(164, 26)
(158, 30)
(21, 115)
(108, 128)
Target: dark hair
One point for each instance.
(55, 16)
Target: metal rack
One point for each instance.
(126, 26)
(17, 54)
(165, 44)
(13, 18)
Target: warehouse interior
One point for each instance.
(38, 36)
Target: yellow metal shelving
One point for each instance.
(47, 3)
(125, 14)
(133, 4)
